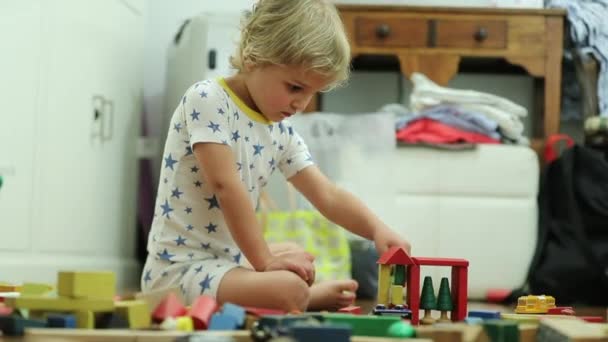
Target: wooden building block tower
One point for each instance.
(398, 259)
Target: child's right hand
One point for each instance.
(299, 262)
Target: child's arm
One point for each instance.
(219, 170)
(344, 209)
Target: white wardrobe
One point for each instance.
(70, 105)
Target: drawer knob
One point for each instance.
(383, 31)
(481, 34)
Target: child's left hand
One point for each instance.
(384, 238)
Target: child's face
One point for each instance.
(279, 92)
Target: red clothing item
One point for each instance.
(431, 131)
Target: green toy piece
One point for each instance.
(444, 300)
(428, 301)
(0, 182)
(401, 329)
(399, 276)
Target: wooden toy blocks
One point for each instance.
(91, 285)
(397, 259)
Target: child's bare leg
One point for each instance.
(281, 290)
(327, 295)
(332, 295)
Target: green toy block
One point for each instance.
(86, 285)
(501, 330)
(15, 325)
(363, 325)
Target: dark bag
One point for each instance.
(571, 258)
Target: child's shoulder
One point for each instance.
(209, 89)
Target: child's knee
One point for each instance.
(294, 293)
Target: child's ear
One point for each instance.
(248, 65)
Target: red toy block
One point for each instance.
(355, 310)
(395, 256)
(593, 319)
(201, 311)
(497, 295)
(427, 261)
(561, 310)
(171, 306)
(5, 310)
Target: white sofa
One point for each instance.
(478, 204)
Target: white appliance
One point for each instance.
(201, 49)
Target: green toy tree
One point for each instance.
(427, 300)
(399, 276)
(444, 300)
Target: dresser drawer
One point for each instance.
(393, 31)
(479, 34)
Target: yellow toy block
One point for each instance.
(60, 304)
(136, 312)
(85, 320)
(532, 304)
(6, 287)
(184, 323)
(36, 289)
(384, 283)
(397, 294)
(98, 285)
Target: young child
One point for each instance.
(227, 136)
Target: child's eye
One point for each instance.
(294, 88)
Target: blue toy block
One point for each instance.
(220, 321)
(321, 333)
(236, 311)
(473, 320)
(484, 314)
(61, 321)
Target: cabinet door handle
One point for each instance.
(383, 31)
(481, 34)
(107, 126)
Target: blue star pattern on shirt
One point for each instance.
(257, 149)
(180, 241)
(177, 127)
(148, 276)
(195, 114)
(211, 228)
(235, 136)
(176, 193)
(237, 258)
(166, 209)
(169, 162)
(214, 127)
(206, 283)
(213, 203)
(165, 255)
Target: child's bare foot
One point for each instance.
(332, 295)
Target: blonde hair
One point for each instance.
(295, 32)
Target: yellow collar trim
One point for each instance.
(252, 114)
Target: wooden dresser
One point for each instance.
(434, 40)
